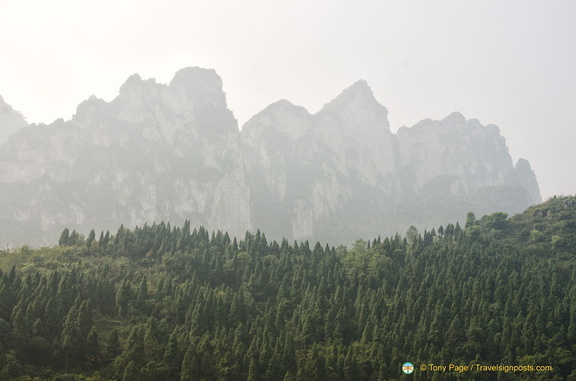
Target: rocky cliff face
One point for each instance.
(156, 152)
(10, 121)
(173, 152)
(341, 173)
(308, 170)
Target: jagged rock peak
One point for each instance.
(356, 107)
(358, 93)
(193, 75)
(359, 87)
(194, 82)
(199, 83)
(455, 119)
(282, 103)
(282, 107)
(526, 177)
(10, 120)
(281, 116)
(5, 108)
(135, 82)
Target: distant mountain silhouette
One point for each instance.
(174, 153)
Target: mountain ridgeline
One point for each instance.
(174, 152)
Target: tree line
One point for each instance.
(161, 302)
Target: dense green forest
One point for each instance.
(167, 303)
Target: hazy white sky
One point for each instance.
(511, 63)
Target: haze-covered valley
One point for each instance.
(174, 152)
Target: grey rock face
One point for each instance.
(341, 174)
(331, 167)
(154, 153)
(173, 152)
(10, 121)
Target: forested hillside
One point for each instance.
(166, 303)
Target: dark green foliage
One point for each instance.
(64, 237)
(162, 302)
(113, 347)
(91, 238)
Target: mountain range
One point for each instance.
(174, 152)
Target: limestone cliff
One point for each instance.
(341, 174)
(156, 152)
(173, 152)
(10, 121)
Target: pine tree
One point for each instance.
(171, 355)
(123, 296)
(91, 238)
(64, 237)
(93, 347)
(142, 294)
(113, 347)
(190, 365)
(131, 372)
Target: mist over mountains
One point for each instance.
(174, 152)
